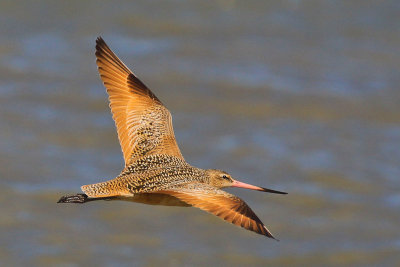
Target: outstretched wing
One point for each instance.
(220, 203)
(143, 124)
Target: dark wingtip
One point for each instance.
(268, 234)
(277, 240)
(100, 43)
(99, 39)
(271, 236)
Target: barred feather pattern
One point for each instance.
(155, 171)
(148, 174)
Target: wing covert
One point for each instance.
(144, 124)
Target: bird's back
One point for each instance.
(147, 174)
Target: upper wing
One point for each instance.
(220, 203)
(144, 125)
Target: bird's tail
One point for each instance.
(105, 189)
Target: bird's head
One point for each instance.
(221, 179)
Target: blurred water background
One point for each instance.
(300, 96)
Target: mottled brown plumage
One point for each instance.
(155, 171)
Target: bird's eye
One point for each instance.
(225, 177)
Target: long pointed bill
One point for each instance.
(253, 187)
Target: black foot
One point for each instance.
(78, 198)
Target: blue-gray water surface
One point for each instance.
(299, 96)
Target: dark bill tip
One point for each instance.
(273, 191)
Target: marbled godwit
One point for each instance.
(155, 171)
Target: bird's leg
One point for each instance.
(78, 198)
(81, 198)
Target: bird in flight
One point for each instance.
(155, 171)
